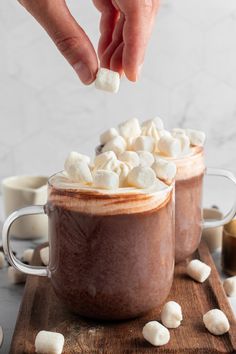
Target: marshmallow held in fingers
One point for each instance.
(2, 260)
(216, 322)
(171, 315)
(107, 80)
(117, 144)
(44, 255)
(14, 276)
(49, 342)
(146, 143)
(141, 177)
(197, 137)
(229, 285)
(130, 157)
(164, 169)
(155, 333)
(28, 255)
(169, 146)
(105, 179)
(198, 270)
(146, 158)
(108, 135)
(130, 128)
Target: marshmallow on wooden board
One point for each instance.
(27, 255)
(49, 342)
(157, 121)
(2, 260)
(130, 128)
(130, 157)
(105, 179)
(216, 322)
(141, 177)
(146, 143)
(171, 315)
(44, 255)
(146, 158)
(117, 144)
(107, 80)
(229, 285)
(198, 270)
(169, 146)
(108, 135)
(197, 137)
(164, 169)
(14, 276)
(155, 333)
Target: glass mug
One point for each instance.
(189, 221)
(111, 255)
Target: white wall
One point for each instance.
(189, 79)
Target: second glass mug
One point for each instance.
(111, 255)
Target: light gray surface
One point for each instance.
(218, 192)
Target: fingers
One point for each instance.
(68, 36)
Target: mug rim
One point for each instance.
(6, 182)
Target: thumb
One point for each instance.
(69, 37)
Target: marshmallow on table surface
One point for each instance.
(117, 144)
(146, 143)
(155, 333)
(164, 169)
(130, 157)
(229, 285)
(197, 137)
(216, 322)
(14, 276)
(169, 146)
(105, 179)
(198, 270)
(2, 260)
(130, 128)
(141, 177)
(171, 315)
(49, 342)
(107, 80)
(108, 135)
(27, 255)
(146, 158)
(44, 255)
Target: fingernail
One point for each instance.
(83, 72)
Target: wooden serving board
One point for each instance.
(40, 309)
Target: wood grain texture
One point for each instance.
(40, 309)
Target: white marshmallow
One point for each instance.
(171, 315)
(105, 161)
(122, 170)
(184, 140)
(44, 255)
(75, 157)
(197, 137)
(141, 177)
(80, 172)
(105, 179)
(164, 132)
(27, 255)
(146, 143)
(2, 260)
(108, 135)
(149, 129)
(155, 333)
(178, 131)
(117, 144)
(130, 143)
(49, 342)
(198, 270)
(130, 128)
(14, 276)
(157, 121)
(107, 80)
(130, 157)
(216, 322)
(169, 146)
(146, 158)
(229, 285)
(164, 169)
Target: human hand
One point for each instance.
(125, 29)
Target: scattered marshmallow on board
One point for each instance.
(198, 270)
(229, 285)
(216, 322)
(49, 342)
(155, 333)
(171, 315)
(44, 255)
(28, 255)
(2, 260)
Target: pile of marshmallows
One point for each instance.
(133, 155)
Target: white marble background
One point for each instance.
(189, 79)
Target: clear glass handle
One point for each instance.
(207, 224)
(24, 268)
